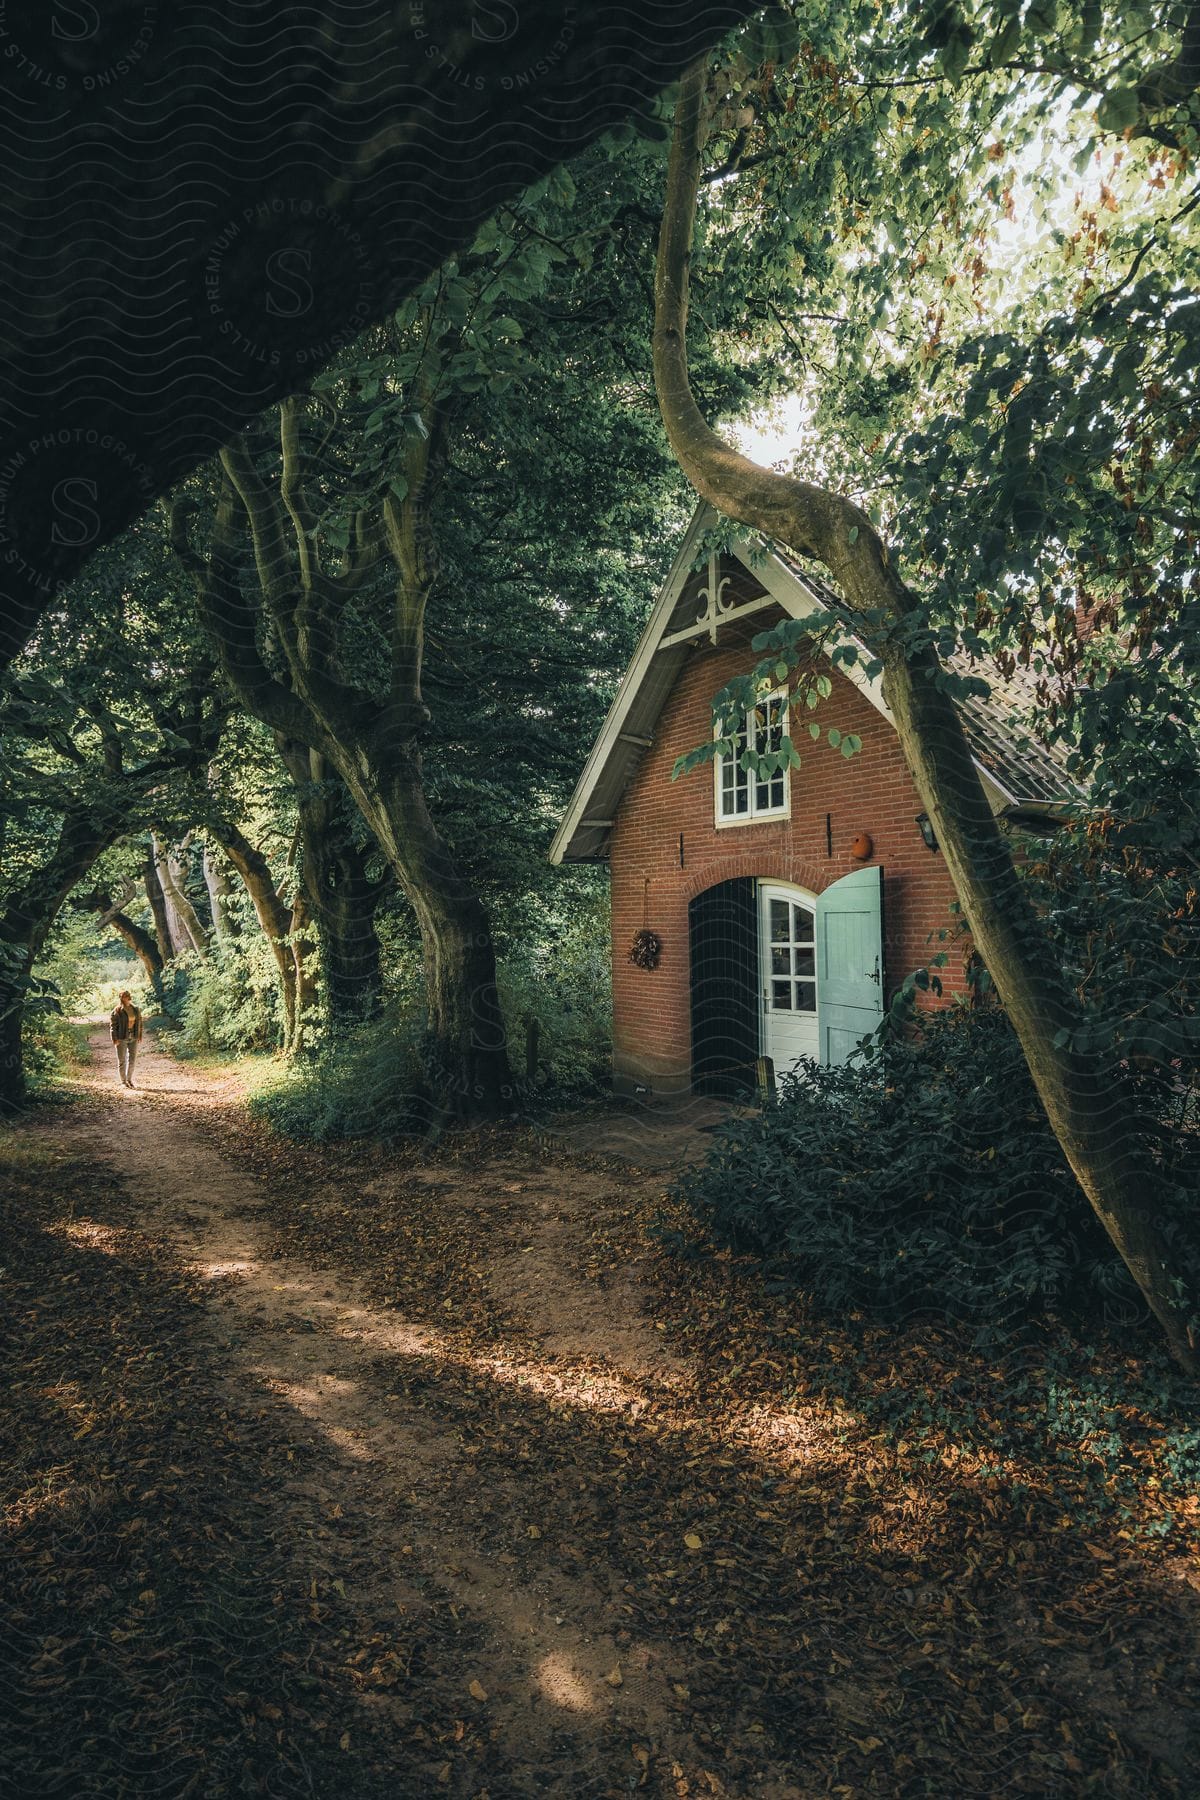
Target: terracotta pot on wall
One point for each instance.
(862, 846)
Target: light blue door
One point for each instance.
(849, 963)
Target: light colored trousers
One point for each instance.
(126, 1049)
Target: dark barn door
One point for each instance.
(723, 941)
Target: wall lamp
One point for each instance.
(925, 827)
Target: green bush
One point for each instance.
(564, 982)
(366, 1083)
(923, 1180)
(372, 1081)
(227, 1001)
(55, 1047)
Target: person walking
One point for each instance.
(125, 1028)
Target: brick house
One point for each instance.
(786, 912)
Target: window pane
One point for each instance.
(806, 996)
(781, 960)
(771, 731)
(781, 996)
(779, 922)
(735, 784)
(805, 963)
(802, 925)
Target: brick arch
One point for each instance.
(767, 865)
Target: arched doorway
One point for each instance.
(781, 972)
(723, 948)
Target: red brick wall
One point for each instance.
(870, 792)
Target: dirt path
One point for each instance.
(557, 1530)
(547, 1635)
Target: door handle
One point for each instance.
(875, 975)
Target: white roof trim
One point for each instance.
(647, 644)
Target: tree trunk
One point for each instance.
(467, 1053)
(273, 916)
(303, 947)
(344, 900)
(1095, 1125)
(374, 749)
(179, 935)
(168, 945)
(171, 877)
(143, 947)
(342, 897)
(219, 889)
(13, 971)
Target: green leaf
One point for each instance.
(1118, 110)
(1005, 41)
(562, 185)
(456, 301)
(955, 57)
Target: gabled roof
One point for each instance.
(1019, 774)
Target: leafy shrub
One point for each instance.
(564, 982)
(366, 1083)
(54, 1047)
(227, 1001)
(1125, 922)
(924, 1179)
(373, 1081)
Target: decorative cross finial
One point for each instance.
(715, 606)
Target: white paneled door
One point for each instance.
(788, 951)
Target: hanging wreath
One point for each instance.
(647, 948)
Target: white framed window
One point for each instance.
(741, 795)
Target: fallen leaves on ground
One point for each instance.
(814, 1578)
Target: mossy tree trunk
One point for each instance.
(341, 894)
(275, 918)
(375, 750)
